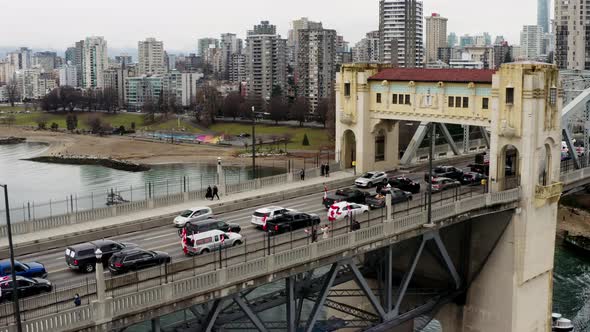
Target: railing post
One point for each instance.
(388, 207)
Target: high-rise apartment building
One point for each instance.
(68, 75)
(151, 57)
(204, 44)
(171, 61)
(531, 41)
(543, 14)
(114, 82)
(293, 38)
(70, 56)
(266, 65)
(95, 62)
(572, 47)
(452, 39)
(502, 54)
(45, 61)
(367, 50)
(124, 60)
(79, 62)
(143, 89)
(237, 68)
(230, 44)
(466, 40)
(316, 64)
(401, 29)
(436, 36)
(21, 59)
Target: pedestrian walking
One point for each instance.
(215, 193)
(327, 170)
(209, 193)
(323, 169)
(77, 300)
(302, 174)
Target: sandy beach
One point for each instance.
(129, 148)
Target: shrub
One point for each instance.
(305, 140)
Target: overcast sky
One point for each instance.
(179, 23)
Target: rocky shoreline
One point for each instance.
(89, 160)
(12, 140)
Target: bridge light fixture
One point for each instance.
(553, 95)
(98, 254)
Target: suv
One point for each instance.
(270, 213)
(28, 270)
(81, 256)
(370, 179)
(136, 259)
(210, 225)
(405, 184)
(206, 242)
(397, 196)
(345, 195)
(194, 214)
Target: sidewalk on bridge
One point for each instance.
(101, 224)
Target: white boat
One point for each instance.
(560, 324)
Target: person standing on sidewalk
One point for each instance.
(77, 300)
(215, 192)
(323, 169)
(209, 193)
(327, 167)
(302, 174)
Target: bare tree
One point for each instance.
(13, 92)
(231, 105)
(299, 110)
(208, 104)
(277, 109)
(95, 123)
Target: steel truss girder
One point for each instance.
(315, 312)
(485, 135)
(449, 138)
(347, 309)
(569, 140)
(282, 326)
(415, 143)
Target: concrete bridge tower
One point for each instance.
(514, 290)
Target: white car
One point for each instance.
(343, 210)
(269, 212)
(371, 179)
(194, 214)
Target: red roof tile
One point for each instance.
(435, 75)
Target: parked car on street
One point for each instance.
(345, 195)
(136, 259)
(194, 214)
(210, 225)
(397, 196)
(371, 179)
(206, 242)
(26, 287)
(291, 221)
(442, 184)
(269, 213)
(28, 270)
(472, 178)
(450, 172)
(405, 184)
(343, 210)
(82, 256)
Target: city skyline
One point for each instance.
(165, 23)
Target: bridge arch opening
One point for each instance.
(545, 162)
(349, 148)
(510, 173)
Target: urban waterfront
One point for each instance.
(38, 189)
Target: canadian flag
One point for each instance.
(222, 239)
(325, 193)
(333, 213)
(264, 222)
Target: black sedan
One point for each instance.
(136, 259)
(397, 196)
(291, 221)
(472, 178)
(26, 287)
(405, 184)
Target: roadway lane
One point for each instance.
(166, 238)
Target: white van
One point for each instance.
(194, 214)
(205, 242)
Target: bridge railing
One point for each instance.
(74, 216)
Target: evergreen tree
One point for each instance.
(305, 140)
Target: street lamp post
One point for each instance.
(253, 143)
(19, 327)
(100, 285)
(429, 224)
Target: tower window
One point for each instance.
(347, 89)
(485, 103)
(378, 98)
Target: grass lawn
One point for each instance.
(318, 138)
(115, 120)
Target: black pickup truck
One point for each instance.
(397, 196)
(291, 221)
(450, 172)
(345, 195)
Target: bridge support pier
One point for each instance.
(156, 325)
